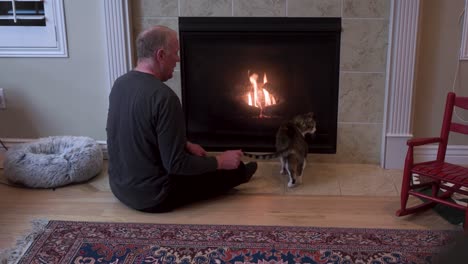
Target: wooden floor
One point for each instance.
(94, 202)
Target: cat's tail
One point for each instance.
(266, 156)
(261, 156)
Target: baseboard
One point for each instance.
(103, 145)
(396, 148)
(457, 154)
(395, 151)
(10, 142)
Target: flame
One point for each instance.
(260, 99)
(253, 80)
(266, 95)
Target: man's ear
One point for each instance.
(159, 54)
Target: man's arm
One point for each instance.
(195, 149)
(172, 141)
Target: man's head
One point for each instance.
(158, 48)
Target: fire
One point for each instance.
(259, 97)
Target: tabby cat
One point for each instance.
(291, 146)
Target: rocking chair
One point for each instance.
(446, 176)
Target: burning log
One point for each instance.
(259, 96)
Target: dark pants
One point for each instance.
(185, 189)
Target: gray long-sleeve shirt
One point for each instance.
(146, 141)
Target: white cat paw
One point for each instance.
(291, 185)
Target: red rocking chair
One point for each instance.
(442, 175)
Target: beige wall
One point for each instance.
(439, 44)
(60, 96)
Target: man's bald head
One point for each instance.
(150, 40)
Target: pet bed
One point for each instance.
(53, 161)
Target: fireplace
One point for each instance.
(243, 77)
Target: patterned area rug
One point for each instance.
(93, 242)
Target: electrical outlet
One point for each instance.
(2, 99)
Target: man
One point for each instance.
(152, 166)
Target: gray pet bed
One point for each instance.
(53, 161)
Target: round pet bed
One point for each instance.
(54, 161)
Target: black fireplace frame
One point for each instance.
(209, 25)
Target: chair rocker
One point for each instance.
(444, 176)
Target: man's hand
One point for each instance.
(195, 149)
(229, 160)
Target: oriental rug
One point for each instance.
(117, 243)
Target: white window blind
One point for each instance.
(32, 28)
(22, 13)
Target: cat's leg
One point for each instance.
(283, 166)
(299, 179)
(300, 171)
(291, 166)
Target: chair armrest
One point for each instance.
(422, 141)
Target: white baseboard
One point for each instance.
(10, 142)
(457, 154)
(395, 151)
(103, 145)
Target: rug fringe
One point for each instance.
(14, 254)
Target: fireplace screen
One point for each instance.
(243, 77)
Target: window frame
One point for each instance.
(37, 41)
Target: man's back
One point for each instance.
(136, 174)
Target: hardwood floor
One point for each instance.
(249, 205)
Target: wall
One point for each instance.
(60, 96)
(363, 57)
(439, 45)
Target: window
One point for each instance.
(32, 28)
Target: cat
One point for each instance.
(291, 146)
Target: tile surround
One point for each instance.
(146, 22)
(155, 8)
(314, 8)
(360, 97)
(206, 8)
(364, 43)
(259, 8)
(356, 143)
(366, 8)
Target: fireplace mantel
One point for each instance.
(399, 71)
